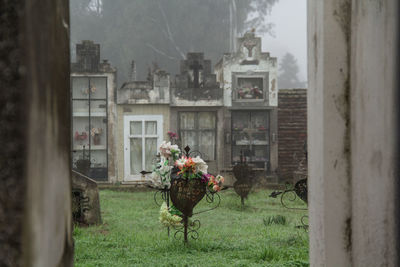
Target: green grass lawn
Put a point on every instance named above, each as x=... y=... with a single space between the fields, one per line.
x=230 y=235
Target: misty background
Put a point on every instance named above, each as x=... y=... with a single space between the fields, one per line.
x=159 y=33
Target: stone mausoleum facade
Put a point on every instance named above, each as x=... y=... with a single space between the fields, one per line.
x=225 y=113
x=93 y=117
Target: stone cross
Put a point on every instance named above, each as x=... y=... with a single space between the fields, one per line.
x=250 y=45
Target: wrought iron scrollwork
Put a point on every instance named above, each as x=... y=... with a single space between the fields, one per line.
x=299 y=190
x=211 y=197
x=192 y=230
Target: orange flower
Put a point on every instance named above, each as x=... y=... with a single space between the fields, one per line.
x=189 y=163
x=216 y=188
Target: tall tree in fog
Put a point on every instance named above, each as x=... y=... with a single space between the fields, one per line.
x=164 y=31
x=289 y=70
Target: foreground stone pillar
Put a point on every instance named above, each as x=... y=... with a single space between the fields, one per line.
x=352 y=132
x=35 y=191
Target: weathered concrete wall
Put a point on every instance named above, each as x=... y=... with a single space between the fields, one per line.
x=373 y=138
x=328 y=136
x=112 y=127
x=125 y=109
x=231 y=63
x=292 y=131
x=48 y=228
x=351 y=134
x=35 y=207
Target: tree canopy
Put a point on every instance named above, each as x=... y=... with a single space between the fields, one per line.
x=160 y=31
x=289 y=70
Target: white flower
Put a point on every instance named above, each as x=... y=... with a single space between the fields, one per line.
x=165 y=149
x=155 y=179
x=201 y=166
x=164 y=170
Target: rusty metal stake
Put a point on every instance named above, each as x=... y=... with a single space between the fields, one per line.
x=185 y=225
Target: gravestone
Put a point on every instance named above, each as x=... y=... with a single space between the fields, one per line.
x=85 y=200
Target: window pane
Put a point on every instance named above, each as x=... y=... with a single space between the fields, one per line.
x=187 y=120
x=250 y=88
x=98 y=108
x=81 y=133
x=136 y=127
x=240 y=120
x=98 y=87
x=98 y=158
x=207 y=145
x=189 y=139
x=136 y=155
x=259 y=120
x=80 y=108
x=80 y=88
x=151 y=127
x=206 y=120
x=150 y=152
x=98 y=132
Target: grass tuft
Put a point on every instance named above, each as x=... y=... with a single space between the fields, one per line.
x=275 y=219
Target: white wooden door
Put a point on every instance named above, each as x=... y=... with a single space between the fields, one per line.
x=142 y=138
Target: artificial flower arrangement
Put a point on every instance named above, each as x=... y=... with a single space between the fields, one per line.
x=173 y=136
x=85 y=91
x=188 y=168
x=96 y=131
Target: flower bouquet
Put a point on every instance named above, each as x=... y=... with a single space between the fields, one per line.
x=187 y=179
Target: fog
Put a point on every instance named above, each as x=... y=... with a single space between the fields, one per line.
x=290 y=32
x=158 y=34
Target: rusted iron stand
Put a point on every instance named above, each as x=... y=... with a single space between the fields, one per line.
x=244 y=178
x=185 y=194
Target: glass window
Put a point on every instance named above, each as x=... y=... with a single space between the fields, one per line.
x=80 y=88
x=250 y=88
x=151 y=127
x=250 y=137
x=198 y=131
x=98 y=87
x=89 y=126
x=136 y=127
x=144 y=135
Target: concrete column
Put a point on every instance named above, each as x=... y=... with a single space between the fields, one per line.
x=328 y=133
x=373 y=132
x=35 y=194
x=351 y=132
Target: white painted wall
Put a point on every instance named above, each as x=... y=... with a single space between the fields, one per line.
x=352 y=139
x=373 y=146
x=231 y=63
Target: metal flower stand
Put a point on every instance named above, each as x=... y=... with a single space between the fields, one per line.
x=299 y=190
x=244 y=178
x=185 y=194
